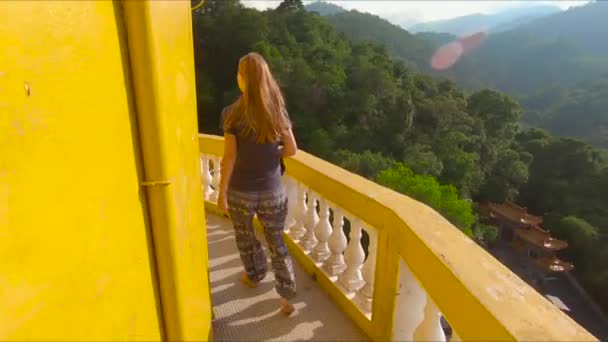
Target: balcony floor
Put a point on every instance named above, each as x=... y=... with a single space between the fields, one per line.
x=244 y=314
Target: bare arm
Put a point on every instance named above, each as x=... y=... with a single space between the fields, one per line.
x=227 y=161
x=289 y=144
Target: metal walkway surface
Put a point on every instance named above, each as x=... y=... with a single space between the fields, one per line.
x=244 y=314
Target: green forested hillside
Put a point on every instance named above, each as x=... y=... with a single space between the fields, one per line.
x=529 y=63
x=364 y=27
x=557 y=66
x=520 y=62
x=355 y=106
x=580 y=110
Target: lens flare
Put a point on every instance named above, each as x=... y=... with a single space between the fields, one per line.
x=447 y=55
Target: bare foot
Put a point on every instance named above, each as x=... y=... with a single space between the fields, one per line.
x=248 y=282
x=286 y=307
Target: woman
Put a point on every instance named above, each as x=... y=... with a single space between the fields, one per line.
x=255 y=126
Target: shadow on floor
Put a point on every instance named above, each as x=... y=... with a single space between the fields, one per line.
x=244 y=314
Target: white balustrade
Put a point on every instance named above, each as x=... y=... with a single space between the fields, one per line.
x=430 y=329
x=206 y=176
x=416 y=315
x=351 y=279
x=291 y=188
x=312 y=219
x=216 y=179
x=366 y=293
x=298 y=230
x=335 y=264
x=409 y=306
x=323 y=231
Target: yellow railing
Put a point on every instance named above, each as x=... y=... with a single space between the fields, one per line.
x=423 y=266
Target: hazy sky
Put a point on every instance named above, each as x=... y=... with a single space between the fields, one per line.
x=406 y=12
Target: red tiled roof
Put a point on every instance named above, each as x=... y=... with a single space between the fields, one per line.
x=541 y=238
x=513 y=213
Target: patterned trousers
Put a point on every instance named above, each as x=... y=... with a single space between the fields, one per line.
x=271 y=209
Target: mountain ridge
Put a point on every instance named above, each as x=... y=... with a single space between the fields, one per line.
x=477 y=22
x=324 y=8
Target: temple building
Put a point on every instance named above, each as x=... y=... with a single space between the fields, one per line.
x=523 y=232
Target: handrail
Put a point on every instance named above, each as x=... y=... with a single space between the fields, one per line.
x=479 y=297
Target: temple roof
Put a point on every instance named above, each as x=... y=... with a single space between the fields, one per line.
x=554 y=264
x=514 y=213
x=541 y=238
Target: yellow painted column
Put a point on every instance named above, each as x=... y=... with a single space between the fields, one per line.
x=75 y=258
x=159 y=35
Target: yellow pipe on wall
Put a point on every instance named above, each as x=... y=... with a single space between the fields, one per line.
x=159 y=35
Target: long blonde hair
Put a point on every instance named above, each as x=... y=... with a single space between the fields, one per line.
x=261 y=108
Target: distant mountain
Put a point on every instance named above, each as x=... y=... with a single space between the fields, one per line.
x=561 y=49
x=401 y=19
x=324 y=8
x=473 y=23
x=513 y=24
x=457 y=26
x=399 y=43
x=587 y=26
x=436 y=39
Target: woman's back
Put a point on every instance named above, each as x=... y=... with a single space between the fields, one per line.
x=257 y=166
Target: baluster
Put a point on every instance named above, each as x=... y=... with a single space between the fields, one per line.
x=351 y=279
x=430 y=329
x=337 y=243
x=322 y=231
x=216 y=178
x=409 y=306
x=365 y=295
x=206 y=176
x=312 y=219
x=298 y=229
x=292 y=202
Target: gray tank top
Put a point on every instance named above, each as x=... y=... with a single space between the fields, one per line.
x=257 y=167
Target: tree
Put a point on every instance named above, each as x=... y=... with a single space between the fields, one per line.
x=427 y=190
x=486 y=233
x=290 y=5
x=218 y=50
x=367 y=164
x=212 y=7
x=577 y=231
x=422 y=160
x=321 y=144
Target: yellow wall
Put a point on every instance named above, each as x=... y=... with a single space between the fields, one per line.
x=74 y=255
x=76 y=261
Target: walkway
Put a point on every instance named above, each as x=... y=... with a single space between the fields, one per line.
x=243 y=314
